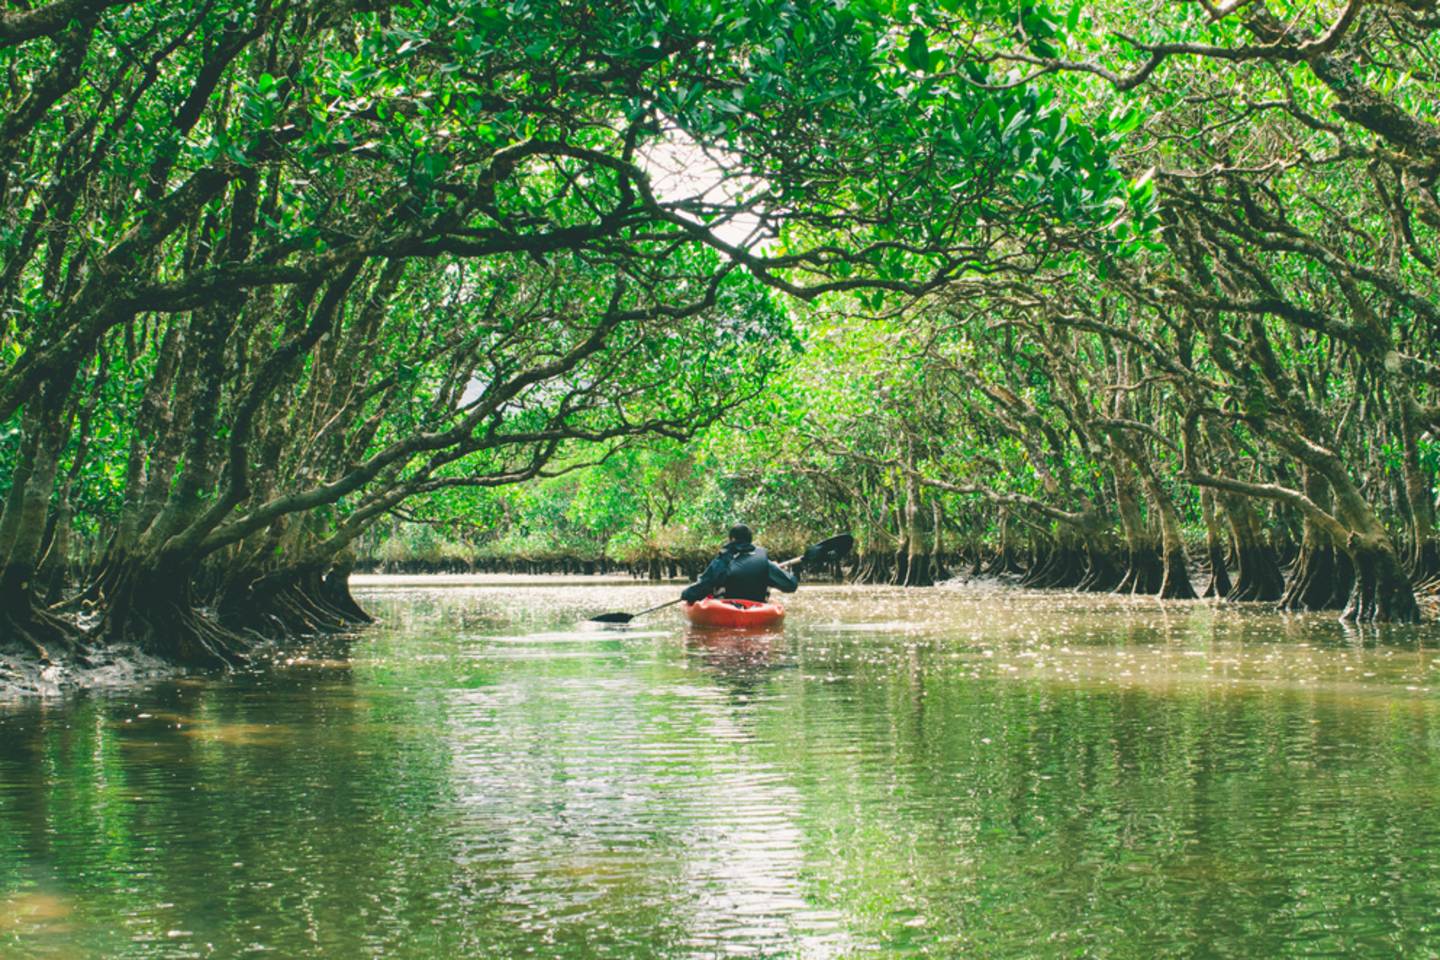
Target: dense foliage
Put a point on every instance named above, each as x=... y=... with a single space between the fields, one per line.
x=270 y=271
x=1069 y=288
x=1238 y=369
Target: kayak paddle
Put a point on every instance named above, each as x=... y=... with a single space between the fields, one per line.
x=826 y=550
x=832 y=549
x=627 y=617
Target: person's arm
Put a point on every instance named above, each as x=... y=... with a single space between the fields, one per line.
x=709 y=581
x=782 y=579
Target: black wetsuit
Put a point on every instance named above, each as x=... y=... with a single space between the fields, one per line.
x=744 y=572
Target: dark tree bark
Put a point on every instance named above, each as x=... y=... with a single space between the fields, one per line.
x=1144 y=570
x=149 y=603
x=1424 y=559
x=1258 y=576
x=1220 y=585
x=1323 y=575
x=24 y=623
x=1382 y=592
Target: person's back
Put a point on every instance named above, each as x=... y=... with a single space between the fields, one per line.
x=742 y=571
x=749 y=574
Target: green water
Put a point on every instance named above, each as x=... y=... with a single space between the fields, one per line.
x=925 y=773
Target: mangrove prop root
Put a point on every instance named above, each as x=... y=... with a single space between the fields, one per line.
x=1322 y=580
x=156 y=615
x=1144 y=573
x=1382 y=592
x=1220 y=585
x=1176 y=584
x=30 y=629
x=1259 y=577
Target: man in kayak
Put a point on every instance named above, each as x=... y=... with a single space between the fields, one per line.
x=742 y=571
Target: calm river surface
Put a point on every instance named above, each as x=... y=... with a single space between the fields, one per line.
x=957 y=772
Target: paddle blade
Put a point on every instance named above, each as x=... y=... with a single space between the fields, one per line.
x=613 y=618
x=831 y=549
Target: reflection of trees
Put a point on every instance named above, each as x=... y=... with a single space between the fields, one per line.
x=285 y=810
x=462 y=794
x=1019 y=813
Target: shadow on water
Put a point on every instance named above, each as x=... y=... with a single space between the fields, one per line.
x=896 y=773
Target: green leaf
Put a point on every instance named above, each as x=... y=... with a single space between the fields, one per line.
x=1122 y=123
x=917 y=52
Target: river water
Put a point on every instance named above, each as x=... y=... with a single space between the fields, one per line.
x=973 y=772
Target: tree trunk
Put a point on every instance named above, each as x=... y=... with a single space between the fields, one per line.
x=1420 y=496
x=1219 y=586
x=312 y=598
x=1042 y=555
x=1004 y=560
x=1144 y=571
x=1258 y=577
x=1102 y=573
x=1382 y=591
x=1071 y=563
x=54 y=570
x=337 y=592
x=26 y=627
x=24 y=624
x=1323 y=575
x=150 y=604
x=938 y=571
x=916 y=561
x=1323 y=578
x=1175 y=577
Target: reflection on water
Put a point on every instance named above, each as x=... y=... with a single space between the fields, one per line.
x=894 y=774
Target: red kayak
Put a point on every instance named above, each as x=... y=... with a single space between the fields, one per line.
x=720 y=612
